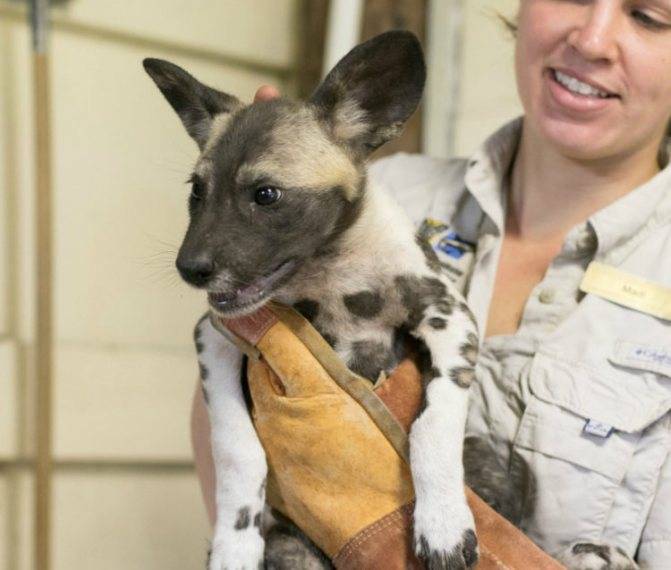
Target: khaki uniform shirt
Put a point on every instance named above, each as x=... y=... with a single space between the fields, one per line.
x=582 y=391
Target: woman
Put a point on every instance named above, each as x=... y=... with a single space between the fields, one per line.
x=577 y=383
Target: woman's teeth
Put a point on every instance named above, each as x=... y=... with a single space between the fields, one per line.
x=576 y=86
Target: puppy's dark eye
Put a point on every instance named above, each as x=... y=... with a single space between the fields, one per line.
x=197 y=189
x=266 y=195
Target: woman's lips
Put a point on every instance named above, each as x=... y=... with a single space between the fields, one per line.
x=572 y=102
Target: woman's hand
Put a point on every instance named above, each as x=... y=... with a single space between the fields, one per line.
x=266 y=93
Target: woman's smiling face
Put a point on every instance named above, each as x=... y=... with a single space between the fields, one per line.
x=594 y=76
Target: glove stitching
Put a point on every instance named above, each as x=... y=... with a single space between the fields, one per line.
x=497 y=561
x=370 y=532
x=389 y=520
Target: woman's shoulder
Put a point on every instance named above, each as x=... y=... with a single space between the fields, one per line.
x=404 y=170
x=417 y=181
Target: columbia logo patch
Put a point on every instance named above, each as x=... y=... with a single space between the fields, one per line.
x=598 y=429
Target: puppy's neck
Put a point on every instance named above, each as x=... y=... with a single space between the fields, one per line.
x=367 y=254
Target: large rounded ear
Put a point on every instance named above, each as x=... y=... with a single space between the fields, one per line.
x=373 y=90
x=195 y=103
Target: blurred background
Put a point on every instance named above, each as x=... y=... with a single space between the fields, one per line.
x=97 y=368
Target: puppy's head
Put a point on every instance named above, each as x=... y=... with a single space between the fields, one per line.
x=277 y=182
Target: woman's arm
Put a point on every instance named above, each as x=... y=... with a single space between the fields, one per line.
x=202 y=451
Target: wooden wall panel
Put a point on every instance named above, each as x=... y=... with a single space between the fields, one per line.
x=310 y=45
x=381 y=16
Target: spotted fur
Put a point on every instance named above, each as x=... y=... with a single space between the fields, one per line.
x=203 y=371
x=196 y=341
x=330 y=339
x=338 y=249
x=431 y=258
x=308 y=308
x=593 y=556
x=242 y=522
x=287 y=548
x=510 y=491
x=437 y=323
x=469 y=350
x=365 y=304
x=370 y=357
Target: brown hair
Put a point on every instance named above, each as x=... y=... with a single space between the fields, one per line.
x=510 y=25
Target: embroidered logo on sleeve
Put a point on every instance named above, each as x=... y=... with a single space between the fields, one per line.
x=454 y=246
x=431 y=228
x=454 y=252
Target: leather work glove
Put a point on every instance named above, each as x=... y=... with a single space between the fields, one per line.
x=337 y=450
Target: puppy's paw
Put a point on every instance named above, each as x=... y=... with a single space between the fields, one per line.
x=444 y=537
x=590 y=556
x=236 y=551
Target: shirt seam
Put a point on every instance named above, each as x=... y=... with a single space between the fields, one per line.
x=653 y=540
x=629 y=247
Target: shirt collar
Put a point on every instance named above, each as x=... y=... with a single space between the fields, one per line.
x=488 y=168
x=642 y=209
x=637 y=212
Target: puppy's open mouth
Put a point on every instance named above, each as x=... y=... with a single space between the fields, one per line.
x=250 y=297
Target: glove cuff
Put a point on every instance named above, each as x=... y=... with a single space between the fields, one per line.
x=384 y=545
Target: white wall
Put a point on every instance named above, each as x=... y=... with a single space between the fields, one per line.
x=471 y=88
x=488 y=95
x=125 y=495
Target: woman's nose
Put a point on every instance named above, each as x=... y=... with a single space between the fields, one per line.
x=595 y=35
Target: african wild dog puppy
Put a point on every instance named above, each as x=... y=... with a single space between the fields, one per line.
x=281 y=208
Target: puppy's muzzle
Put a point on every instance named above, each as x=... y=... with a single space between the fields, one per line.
x=197 y=269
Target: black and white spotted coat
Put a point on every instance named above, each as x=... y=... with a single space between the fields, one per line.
x=375 y=285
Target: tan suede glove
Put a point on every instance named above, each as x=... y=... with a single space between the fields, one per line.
x=337 y=450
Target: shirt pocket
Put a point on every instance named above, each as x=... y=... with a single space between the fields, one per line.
x=643 y=357
x=579 y=434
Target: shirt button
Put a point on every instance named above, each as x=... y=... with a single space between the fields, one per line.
x=546 y=296
x=586 y=242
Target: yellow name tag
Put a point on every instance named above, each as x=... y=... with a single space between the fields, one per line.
x=628 y=290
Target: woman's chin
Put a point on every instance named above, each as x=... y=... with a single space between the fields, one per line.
x=580 y=142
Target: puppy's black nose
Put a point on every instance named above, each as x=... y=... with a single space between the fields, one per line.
x=196 y=270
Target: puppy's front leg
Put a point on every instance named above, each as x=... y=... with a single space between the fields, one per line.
x=443 y=524
x=239 y=460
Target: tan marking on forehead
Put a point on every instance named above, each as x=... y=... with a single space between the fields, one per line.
x=301 y=155
x=217 y=127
